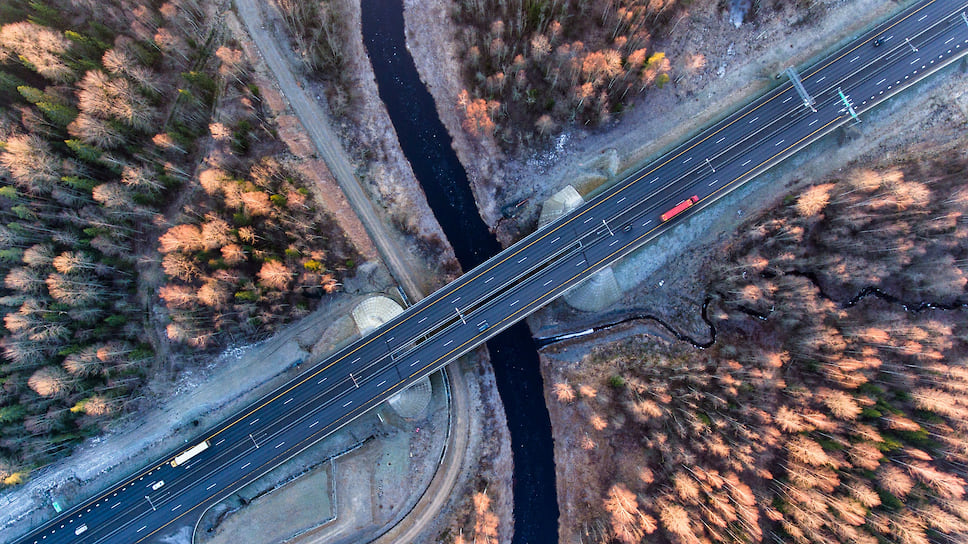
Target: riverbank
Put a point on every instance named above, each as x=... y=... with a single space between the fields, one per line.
x=430 y=34
x=427 y=144
x=205 y=395
x=668 y=276
x=365 y=128
x=788 y=287
x=715 y=68
x=388 y=201
x=718 y=67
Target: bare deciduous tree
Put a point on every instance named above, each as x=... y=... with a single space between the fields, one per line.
x=214 y=294
x=276 y=275
x=26 y=280
x=813 y=200
x=256 y=203
x=95 y=131
x=178 y=296
x=82 y=363
x=31 y=163
x=233 y=254
x=180 y=266
x=182 y=238
x=48 y=381
x=216 y=232
x=41 y=47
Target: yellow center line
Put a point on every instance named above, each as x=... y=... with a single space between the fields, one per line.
x=865 y=42
x=619 y=250
x=590 y=207
x=547 y=293
x=327 y=428
x=580 y=214
x=673 y=158
x=321 y=431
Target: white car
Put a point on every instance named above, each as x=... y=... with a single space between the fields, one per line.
x=80 y=529
x=157 y=485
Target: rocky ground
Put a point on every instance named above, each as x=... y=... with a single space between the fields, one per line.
x=368 y=137
x=676 y=292
x=430 y=40
x=392 y=184
x=485 y=463
x=209 y=394
x=245 y=373
x=355 y=481
x=364 y=124
x=660 y=277
x=716 y=67
x=664 y=280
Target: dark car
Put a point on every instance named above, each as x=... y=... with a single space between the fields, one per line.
x=878 y=42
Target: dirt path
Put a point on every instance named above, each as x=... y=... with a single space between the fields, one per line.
x=316 y=124
x=438 y=494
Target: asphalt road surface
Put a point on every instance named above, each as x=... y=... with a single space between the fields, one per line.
x=521 y=279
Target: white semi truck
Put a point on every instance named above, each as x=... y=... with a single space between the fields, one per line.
x=184 y=456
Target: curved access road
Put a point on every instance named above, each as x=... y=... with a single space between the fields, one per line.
x=886 y=60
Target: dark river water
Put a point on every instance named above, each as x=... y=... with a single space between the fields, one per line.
x=427 y=146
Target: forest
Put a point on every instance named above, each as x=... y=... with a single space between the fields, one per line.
x=148 y=210
x=833 y=406
x=535 y=67
x=318 y=33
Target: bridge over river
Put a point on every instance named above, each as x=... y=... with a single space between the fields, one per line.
x=810 y=103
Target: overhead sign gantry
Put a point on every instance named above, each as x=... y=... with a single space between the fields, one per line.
x=808 y=100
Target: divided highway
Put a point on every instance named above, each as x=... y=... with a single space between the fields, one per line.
x=508 y=287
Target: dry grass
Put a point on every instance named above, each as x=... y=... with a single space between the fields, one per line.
x=821 y=422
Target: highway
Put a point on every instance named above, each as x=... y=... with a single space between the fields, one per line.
x=911 y=45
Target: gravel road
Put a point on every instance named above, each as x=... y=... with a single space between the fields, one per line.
x=315 y=121
x=317 y=126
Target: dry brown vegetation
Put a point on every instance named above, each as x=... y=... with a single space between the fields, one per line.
x=106 y=111
x=248 y=254
x=533 y=67
x=99 y=105
x=817 y=421
x=480 y=514
x=477 y=521
x=248 y=250
x=319 y=34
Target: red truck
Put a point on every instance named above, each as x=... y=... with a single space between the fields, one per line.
x=680 y=207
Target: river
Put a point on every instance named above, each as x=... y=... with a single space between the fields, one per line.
x=427 y=146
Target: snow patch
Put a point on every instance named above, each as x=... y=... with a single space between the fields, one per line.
x=738 y=10
x=543 y=161
x=98 y=455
